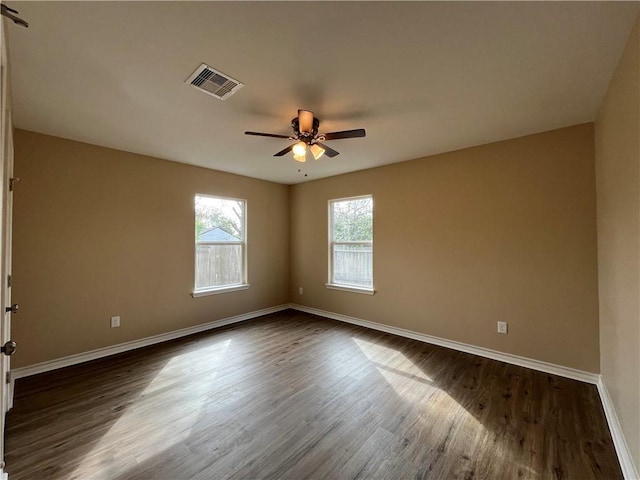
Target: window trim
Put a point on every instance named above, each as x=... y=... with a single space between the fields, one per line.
x=215 y=291
x=232 y=287
x=343 y=286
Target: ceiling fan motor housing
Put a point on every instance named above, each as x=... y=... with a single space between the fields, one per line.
x=306 y=137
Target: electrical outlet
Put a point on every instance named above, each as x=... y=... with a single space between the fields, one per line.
x=502 y=327
x=300 y=290
x=115 y=322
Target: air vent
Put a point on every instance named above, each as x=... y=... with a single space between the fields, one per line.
x=213 y=82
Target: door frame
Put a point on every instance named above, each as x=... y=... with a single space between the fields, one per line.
x=6 y=195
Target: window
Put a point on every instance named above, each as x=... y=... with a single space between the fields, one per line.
x=221 y=248
x=351 y=244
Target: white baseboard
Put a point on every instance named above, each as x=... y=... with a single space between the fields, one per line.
x=143 y=342
x=462 y=347
x=624 y=454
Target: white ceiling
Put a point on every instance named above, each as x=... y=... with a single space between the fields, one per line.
x=420 y=77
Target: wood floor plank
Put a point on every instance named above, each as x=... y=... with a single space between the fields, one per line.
x=292 y=396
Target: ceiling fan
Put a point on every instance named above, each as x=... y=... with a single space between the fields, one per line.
x=305 y=132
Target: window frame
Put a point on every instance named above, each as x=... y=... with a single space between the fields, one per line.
x=331 y=284
x=232 y=287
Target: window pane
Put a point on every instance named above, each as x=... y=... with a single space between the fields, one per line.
x=353 y=265
x=218 y=265
x=353 y=220
x=219 y=219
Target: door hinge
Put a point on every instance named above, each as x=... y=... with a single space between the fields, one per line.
x=8 y=377
x=12 y=182
x=8 y=281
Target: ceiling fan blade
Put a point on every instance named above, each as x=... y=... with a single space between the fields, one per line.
x=359 y=132
x=284 y=152
x=305 y=121
x=267 y=135
x=330 y=152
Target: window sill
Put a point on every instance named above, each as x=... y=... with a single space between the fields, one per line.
x=215 y=291
x=346 y=288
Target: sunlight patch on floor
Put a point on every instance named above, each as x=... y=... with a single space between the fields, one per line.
x=159 y=418
x=442 y=422
x=188 y=365
x=391 y=360
x=412 y=384
x=408 y=381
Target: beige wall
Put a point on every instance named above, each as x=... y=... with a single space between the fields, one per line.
x=504 y=231
x=617 y=134
x=499 y=232
x=100 y=232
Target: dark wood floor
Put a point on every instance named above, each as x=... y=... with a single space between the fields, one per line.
x=296 y=396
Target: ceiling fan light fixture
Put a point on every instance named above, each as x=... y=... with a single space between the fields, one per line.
x=300 y=149
x=317 y=151
x=300 y=158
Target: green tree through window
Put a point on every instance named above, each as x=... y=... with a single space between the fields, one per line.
x=353 y=220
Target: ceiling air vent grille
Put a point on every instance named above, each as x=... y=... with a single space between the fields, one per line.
x=214 y=82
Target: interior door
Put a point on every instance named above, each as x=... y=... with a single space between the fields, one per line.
x=6 y=197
